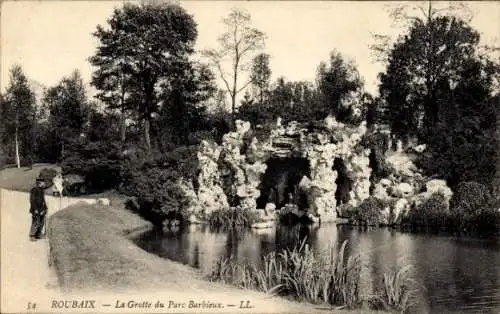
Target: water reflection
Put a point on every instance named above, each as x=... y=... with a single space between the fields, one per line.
x=457 y=275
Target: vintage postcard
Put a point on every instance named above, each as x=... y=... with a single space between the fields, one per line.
x=250 y=157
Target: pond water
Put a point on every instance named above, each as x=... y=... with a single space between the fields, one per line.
x=457 y=274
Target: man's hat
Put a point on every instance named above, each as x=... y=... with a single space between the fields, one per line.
x=40 y=180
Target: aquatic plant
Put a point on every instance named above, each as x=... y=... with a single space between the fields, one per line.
x=232 y=217
x=300 y=274
x=397 y=292
x=325 y=278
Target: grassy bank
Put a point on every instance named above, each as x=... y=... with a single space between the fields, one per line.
x=22 y=179
x=90 y=250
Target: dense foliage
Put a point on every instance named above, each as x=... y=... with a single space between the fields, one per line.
x=47 y=175
x=473 y=209
x=439 y=88
x=154 y=180
x=368 y=213
x=336 y=91
x=69 y=111
x=99 y=163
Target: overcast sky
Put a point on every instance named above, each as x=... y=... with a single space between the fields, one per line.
x=51 y=38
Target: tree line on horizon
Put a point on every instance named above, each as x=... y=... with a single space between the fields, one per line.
x=438 y=88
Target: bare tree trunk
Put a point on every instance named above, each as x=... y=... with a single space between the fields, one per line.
x=18 y=160
x=33 y=141
x=233 y=102
x=122 y=122
x=233 y=94
x=146 y=134
x=16 y=135
x=62 y=152
x=122 y=127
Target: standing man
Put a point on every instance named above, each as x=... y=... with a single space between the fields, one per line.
x=38 y=210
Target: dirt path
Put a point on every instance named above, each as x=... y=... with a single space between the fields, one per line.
x=25 y=275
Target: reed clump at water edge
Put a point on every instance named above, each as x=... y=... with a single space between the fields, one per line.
x=328 y=278
x=397 y=291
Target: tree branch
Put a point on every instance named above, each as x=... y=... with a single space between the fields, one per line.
x=219 y=67
x=244 y=86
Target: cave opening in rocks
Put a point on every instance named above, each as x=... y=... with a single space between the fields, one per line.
x=344 y=182
x=282 y=177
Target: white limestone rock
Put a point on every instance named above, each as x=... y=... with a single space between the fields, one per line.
x=400 y=209
x=404 y=190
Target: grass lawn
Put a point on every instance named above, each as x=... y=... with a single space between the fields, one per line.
x=23 y=179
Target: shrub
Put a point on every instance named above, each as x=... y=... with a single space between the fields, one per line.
x=47 y=174
x=369 y=212
x=100 y=163
x=378 y=143
x=154 y=181
x=484 y=223
x=432 y=214
x=475 y=209
x=470 y=197
x=157 y=191
x=255 y=114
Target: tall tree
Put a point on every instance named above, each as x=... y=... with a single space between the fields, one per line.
x=336 y=81
x=183 y=101
x=69 y=110
x=438 y=87
x=235 y=46
x=260 y=75
x=17 y=114
x=464 y=144
x=138 y=51
x=292 y=101
x=111 y=81
x=434 y=51
x=220 y=101
x=404 y=15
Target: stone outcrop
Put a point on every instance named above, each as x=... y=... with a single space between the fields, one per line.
x=231 y=173
x=210 y=195
x=405 y=188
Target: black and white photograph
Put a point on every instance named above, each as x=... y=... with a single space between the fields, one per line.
x=165 y=156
